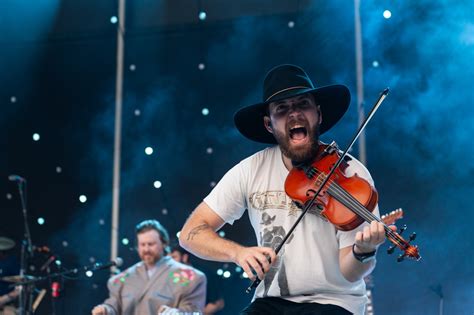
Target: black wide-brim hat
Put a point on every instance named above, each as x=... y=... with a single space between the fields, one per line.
x=286 y=81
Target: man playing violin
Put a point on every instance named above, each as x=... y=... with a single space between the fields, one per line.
x=320 y=269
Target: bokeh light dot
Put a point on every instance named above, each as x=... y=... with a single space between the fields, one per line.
x=148 y=150
x=387 y=14
x=9 y=196
x=375 y=63
x=221 y=233
x=137 y=112
x=201 y=66
x=92 y=260
x=113 y=19
x=89 y=273
x=202 y=15
x=58 y=169
x=209 y=150
x=40 y=221
x=164 y=211
x=132 y=67
x=13 y=99
x=291 y=24
x=178 y=234
x=65 y=244
x=226 y=274
x=205 y=111
x=212 y=184
x=82 y=198
x=125 y=241
x=36 y=136
x=220 y=272
x=157 y=184
x=101 y=221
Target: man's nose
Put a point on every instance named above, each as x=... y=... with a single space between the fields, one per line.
x=294 y=111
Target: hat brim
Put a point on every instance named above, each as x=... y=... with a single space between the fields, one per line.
x=333 y=100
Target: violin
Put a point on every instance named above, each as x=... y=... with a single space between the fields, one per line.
x=345 y=201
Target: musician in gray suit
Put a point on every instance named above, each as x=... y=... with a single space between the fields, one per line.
x=157 y=284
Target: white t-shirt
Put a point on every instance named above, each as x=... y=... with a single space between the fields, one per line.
x=309 y=270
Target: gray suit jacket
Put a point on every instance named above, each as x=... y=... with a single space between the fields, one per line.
x=173 y=286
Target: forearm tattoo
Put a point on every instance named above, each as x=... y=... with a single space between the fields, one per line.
x=195 y=231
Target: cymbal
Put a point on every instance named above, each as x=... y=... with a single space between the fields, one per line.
x=17 y=278
x=6 y=243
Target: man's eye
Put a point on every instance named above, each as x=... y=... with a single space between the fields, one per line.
x=280 y=109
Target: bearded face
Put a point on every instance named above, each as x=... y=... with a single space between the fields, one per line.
x=150 y=247
x=295 y=126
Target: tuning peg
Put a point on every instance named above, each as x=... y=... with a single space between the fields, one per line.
x=402 y=229
x=412 y=236
x=391 y=249
x=401 y=258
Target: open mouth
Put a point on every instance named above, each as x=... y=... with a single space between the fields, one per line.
x=298 y=133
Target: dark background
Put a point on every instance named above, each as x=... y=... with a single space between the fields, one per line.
x=58 y=60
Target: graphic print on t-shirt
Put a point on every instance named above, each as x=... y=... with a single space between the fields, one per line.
x=272 y=236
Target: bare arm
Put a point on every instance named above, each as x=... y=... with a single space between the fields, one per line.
x=366 y=241
x=199 y=236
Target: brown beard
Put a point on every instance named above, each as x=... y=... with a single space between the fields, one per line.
x=301 y=155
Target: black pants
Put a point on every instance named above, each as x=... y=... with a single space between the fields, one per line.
x=277 y=306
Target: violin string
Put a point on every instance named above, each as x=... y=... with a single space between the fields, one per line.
x=360 y=210
x=348 y=200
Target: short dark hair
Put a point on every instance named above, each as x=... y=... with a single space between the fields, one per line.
x=175 y=247
x=148 y=225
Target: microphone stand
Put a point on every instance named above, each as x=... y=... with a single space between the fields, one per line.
x=94 y=267
x=26 y=247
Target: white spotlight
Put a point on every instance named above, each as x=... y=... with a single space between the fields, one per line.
x=89 y=273
x=36 y=136
x=375 y=64
x=387 y=14
x=82 y=198
x=205 y=111
x=40 y=221
x=226 y=274
x=220 y=272
x=157 y=184
x=149 y=150
x=113 y=19
x=202 y=15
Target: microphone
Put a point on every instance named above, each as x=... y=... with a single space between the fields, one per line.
x=116 y=262
x=16 y=178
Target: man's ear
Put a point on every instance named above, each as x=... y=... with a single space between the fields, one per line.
x=320 y=115
x=268 y=124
